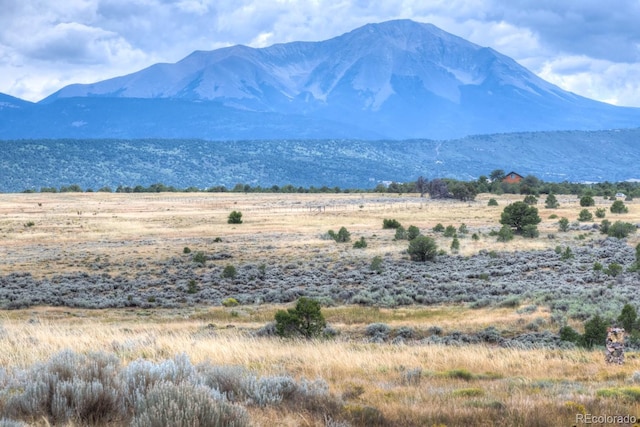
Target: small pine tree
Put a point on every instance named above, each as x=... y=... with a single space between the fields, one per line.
x=438 y=228
x=492 y=202
x=422 y=248
x=595 y=332
x=455 y=245
x=628 y=317
x=618 y=207
x=551 y=202
x=229 y=272
x=563 y=224
x=342 y=236
x=304 y=320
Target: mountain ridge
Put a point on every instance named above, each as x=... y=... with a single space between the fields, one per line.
x=397 y=79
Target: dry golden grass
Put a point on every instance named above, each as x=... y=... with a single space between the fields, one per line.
x=84 y=226
x=503 y=384
x=506 y=386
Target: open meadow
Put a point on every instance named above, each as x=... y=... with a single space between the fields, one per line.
x=115 y=303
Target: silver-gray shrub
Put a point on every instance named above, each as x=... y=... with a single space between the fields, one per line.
x=186 y=405
x=378 y=331
x=268 y=391
x=70 y=387
x=229 y=381
x=140 y=375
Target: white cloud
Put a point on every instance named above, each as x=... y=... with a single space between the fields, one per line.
x=615 y=83
x=46 y=45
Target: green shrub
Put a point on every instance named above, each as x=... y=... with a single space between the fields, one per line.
x=620 y=229
x=492 y=202
x=401 y=233
x=585 y=215
x=613 y=269
x=530 y=231
x=439 y=228
x=235 y=217
x=186 y=250
x=597 y=266
x=567 y=333
x=563 y=224
x=376 y=264
x=475 y=237
x=304 y=320
x=390 y=223
x=360 y=244
x=618 y=207
x=462 y=374
x=530 y=199
x=200 y=258
x=343 y=235
x=463 y=229
x=422 y=248
x=229 y=272
x=601 y=213
x=505 y=234
x=450 y=231
x=604 y=226
x=567 y=254
x=412 y=232
x=586 y=201
x=192 y=287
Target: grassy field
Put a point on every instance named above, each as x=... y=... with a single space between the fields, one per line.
x=403 y=383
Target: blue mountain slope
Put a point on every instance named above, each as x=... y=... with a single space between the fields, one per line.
x=397 y=79
x=552 y=156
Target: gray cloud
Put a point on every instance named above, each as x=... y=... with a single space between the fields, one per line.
x=585 y=46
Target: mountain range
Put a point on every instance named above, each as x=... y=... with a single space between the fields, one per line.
x=393 y=80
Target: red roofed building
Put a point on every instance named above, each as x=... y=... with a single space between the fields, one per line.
x=512 y=178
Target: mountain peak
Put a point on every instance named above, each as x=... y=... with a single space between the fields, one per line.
x=398 y=79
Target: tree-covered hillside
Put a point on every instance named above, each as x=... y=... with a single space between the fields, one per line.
x=551 y=156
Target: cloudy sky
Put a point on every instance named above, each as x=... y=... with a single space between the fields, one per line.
x=588 y=47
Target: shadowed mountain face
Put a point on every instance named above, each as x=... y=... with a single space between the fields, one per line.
x=397 y=79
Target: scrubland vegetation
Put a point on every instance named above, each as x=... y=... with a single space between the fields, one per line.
x=117 y=304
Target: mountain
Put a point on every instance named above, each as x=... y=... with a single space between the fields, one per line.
x=397 y=79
